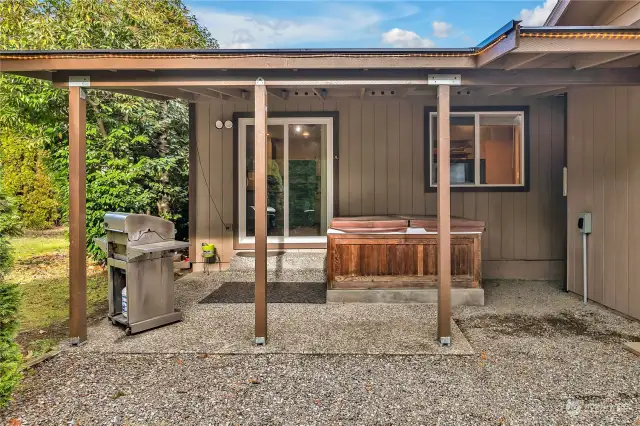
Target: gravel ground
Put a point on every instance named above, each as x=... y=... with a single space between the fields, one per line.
x=294 y=328
x=540 y=358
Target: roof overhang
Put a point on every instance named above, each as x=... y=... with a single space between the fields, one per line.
x=515 y=56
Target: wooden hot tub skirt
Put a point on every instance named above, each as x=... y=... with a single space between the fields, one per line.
x=379 y=252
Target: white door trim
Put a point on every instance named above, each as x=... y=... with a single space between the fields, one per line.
x=242 y=177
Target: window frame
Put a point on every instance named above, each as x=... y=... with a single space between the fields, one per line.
x=523 y=110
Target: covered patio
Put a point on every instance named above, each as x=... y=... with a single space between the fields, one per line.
x=515 y=62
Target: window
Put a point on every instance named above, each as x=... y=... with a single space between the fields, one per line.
x=487 y=149
x=299 y=179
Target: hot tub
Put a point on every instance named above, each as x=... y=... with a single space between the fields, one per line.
x=400 y=252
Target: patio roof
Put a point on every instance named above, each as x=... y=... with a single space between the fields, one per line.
x=535 y=61
x=542 y=59
x=509 y=42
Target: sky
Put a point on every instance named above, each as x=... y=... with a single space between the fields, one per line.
x=357 y=23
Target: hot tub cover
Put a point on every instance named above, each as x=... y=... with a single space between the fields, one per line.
x=395 y=223
x=370 y=224
x=458 y=224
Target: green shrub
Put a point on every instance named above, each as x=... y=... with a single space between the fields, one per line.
x=10 y=357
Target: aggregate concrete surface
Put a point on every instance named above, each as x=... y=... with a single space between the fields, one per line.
x=539 y=357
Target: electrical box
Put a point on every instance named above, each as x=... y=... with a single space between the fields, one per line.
x=584 y=222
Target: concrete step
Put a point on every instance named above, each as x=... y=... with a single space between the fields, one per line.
x=286 y=267
x=285 y=261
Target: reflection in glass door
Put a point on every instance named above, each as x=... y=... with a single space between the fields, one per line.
x=307 y=180
x=299 y=179
x=275 y=181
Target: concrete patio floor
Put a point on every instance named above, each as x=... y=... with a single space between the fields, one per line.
x=540 y=358
x=227 y=328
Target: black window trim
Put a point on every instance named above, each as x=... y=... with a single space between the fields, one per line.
x=479 y=188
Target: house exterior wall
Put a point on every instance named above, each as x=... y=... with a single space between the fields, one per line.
x=603 y=132
x=381 y=171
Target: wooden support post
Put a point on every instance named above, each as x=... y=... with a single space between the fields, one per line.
x=261 y=211
x=444 y=217
x=77 y=217
x=193 y=174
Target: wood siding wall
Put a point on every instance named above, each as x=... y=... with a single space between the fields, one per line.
x=381 y=170
x=603 y=132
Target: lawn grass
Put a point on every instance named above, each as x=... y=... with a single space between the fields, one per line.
x=41 y=270
x=34 y=243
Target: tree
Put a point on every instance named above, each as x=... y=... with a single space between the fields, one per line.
x=10 y=359
x=9 y=226
x=136 y=148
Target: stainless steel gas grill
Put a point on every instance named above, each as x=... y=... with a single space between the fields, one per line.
x=139 y=252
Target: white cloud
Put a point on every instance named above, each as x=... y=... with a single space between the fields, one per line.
x=537 y=16
x=403 y=38
x=442 y=29
x=340 y=22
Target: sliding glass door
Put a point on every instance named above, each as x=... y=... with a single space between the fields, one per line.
x=299 y=179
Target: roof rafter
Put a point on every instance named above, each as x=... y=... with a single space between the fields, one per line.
x=590 y=60
x=500 y=90
x=321 y=93
x=541 y=91
x=141 y=94
x=203 y=93
x=519 y=60
x=240 y=94
x=281 y=94
x=171 y=92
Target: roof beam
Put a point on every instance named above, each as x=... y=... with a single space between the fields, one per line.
x=541 y=91
x=552 y=77
x=591 y=60
x=278 y=80
x=498 y=50
x=218 y=60
x=519 y=60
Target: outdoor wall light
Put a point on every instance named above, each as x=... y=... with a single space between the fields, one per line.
x=228 y=124
x=219 y=124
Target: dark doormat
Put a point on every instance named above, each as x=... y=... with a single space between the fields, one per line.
x=277 y=292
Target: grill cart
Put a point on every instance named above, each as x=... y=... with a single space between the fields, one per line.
x=139 y=252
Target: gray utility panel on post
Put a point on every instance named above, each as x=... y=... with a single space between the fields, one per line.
x=139 y=252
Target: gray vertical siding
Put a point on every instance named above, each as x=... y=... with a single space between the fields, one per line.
x=603 y=146
x=381 y=166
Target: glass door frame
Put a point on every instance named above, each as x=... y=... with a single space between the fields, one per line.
x=242 y=124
